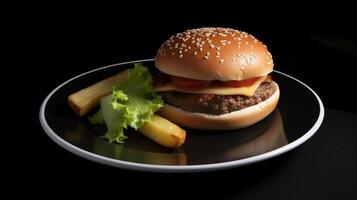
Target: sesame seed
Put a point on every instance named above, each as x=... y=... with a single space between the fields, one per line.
x=242 y=67
x=196 y=39
x=206 y=57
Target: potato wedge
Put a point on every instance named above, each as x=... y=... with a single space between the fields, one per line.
x=163 y=132
x=86 y=99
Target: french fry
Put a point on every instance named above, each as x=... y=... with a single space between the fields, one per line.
x=86 y=99
x=163 y=132
x=159 y=129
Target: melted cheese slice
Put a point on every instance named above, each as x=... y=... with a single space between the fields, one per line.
x=219 y=90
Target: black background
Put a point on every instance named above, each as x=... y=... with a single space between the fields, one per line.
x=317 y=48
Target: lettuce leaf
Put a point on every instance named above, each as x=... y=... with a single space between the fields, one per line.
x=131 y=104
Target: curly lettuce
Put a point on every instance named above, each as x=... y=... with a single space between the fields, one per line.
x=131 y=104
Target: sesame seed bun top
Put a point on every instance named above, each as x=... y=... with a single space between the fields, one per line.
x=214 y=54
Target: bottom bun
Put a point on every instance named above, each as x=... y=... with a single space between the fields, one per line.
x=234 y=120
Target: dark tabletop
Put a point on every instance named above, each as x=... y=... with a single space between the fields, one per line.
x=323 y=167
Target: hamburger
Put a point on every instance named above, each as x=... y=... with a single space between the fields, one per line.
x=215 y=79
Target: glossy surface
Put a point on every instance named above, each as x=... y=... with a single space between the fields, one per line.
x=298 y=113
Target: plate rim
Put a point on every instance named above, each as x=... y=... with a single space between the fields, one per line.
x=173 y=168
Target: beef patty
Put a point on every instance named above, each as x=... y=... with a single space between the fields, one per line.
x=217 y=104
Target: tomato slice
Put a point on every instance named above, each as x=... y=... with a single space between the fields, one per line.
x=242 y=83
x=161 y=79
x=186 y=83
